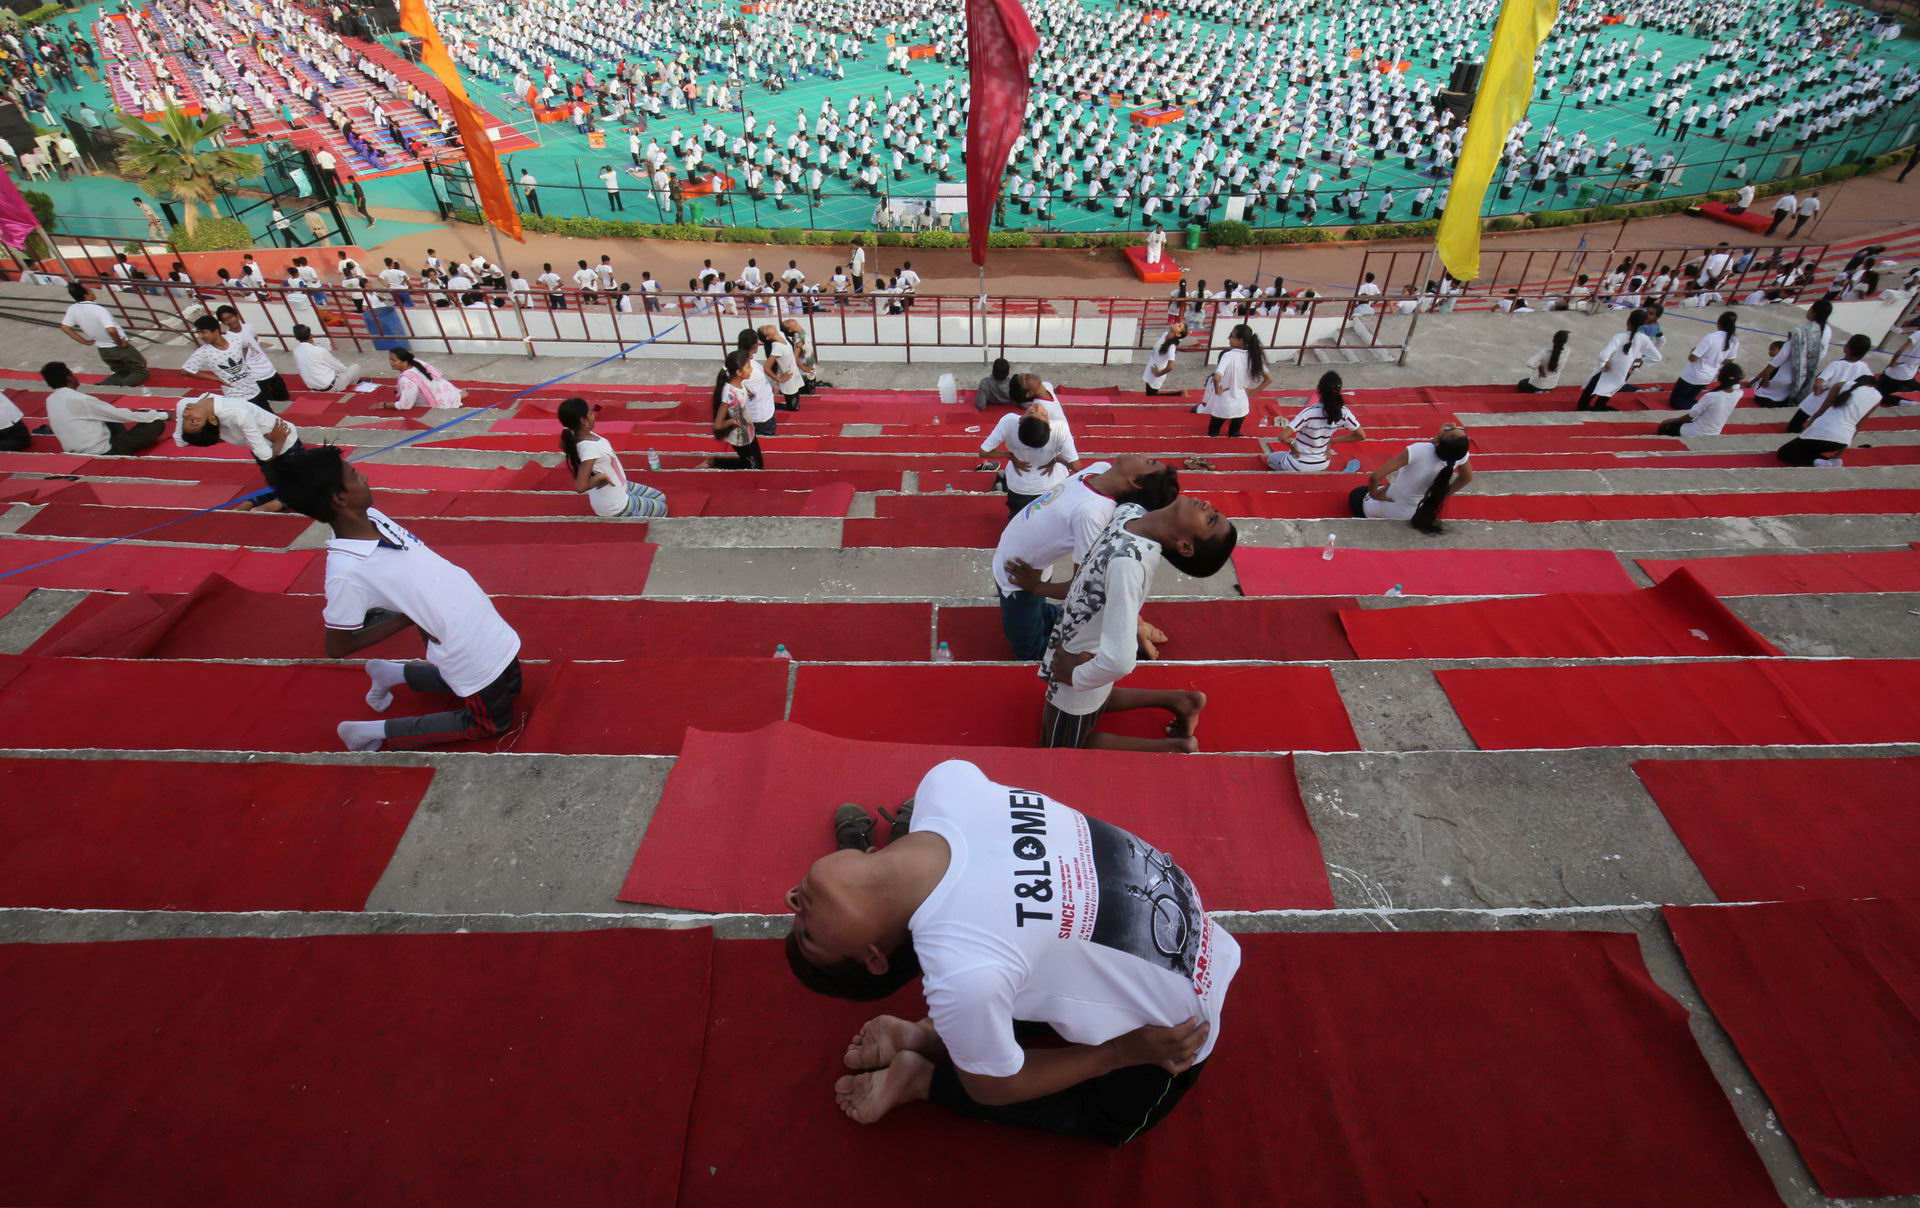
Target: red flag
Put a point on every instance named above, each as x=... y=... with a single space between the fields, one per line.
x=1000 y=48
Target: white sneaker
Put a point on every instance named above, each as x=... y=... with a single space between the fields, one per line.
x=1827 y=461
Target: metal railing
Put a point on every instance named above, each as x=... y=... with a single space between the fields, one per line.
x=915 y=328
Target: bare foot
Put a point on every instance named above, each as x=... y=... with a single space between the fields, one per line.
x=1186 y=715
x=868 y=1097
x=874 y=1046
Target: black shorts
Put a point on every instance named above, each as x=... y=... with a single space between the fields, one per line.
x=1069 y=731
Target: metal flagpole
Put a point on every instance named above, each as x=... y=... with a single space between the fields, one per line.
x=986 y=343
x=1421 y=297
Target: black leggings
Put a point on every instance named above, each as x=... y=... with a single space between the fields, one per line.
x=15 y=436
x=1233 y=425
x=1803 y=452
x=1114 y=1108
x=745 y=457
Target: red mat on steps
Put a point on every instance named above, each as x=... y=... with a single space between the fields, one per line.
x=635 y=707
x=531 y=570
x=1819 y=997
x=1796 y=574
x=439 y=531
x=1426 y=572
x=1678 y=617
x=1659 y=507
x=1250 y=848
x=1774 y=829
x=266 y=530
x=1360 y=1070
x=84 y=834
x=144 y=567
x=902 y=532
x=1248 y=708
x=296 y=1072
x=222 y=621
x=1272 y=630
x=10 y=597
x=1772 y=702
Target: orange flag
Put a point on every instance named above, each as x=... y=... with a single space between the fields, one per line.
x=489 y=182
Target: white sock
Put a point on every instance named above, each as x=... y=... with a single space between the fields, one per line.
x=362 y=735
x=386 y=676
x=1826 y=461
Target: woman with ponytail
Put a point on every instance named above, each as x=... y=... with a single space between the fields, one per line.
x=1623 y=354
x=1241 y=371
x=1416 y=484
x=1323 y=423
x=597 y=472
x=1715 y=349
x=1543 y=371
x=730 y=424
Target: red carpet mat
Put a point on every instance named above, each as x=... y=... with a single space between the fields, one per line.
x=1678 y=617
x=1271 y=629
x=1819 y=997
x=1359 y=1070
x=265 y=530
x=1427 y=572
x=82 y=834
x=11 y=596
x=1248 y=708
x=145 y=567
x=1765 y=830
x=1774 y=702
x=1663 y=507
x=636 y=707
x=531 y=570
x=902 y=532
x=1250 y=848
x=222 y=621
x=548 y=1068
x=1796 y=574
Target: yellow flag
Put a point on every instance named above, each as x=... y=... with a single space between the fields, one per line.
x=1506 y=86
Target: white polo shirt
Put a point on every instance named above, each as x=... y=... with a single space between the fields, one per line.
x=1066 y=520
x=467 y=641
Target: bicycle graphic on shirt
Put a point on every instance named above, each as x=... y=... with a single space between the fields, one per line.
x=1148 y=906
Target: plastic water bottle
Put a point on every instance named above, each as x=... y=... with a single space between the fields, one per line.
x=781 y=652
x=1393 y=591
x=1326 y=555
x=653 y=460
x=943 y=655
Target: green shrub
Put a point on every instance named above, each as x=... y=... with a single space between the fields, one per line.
x=931 y=239
x=1229 y=234
x=1360 y=232
x=891 y=239
x=788 y=235
x=1507 y=222
x=1608 y=213
x=213 y=235
x=1009 y=239
x=1070 y=239
x=1304 y=235
x=744 y=235
x=1546 y=219
x=46 y=12
x=42 y=207
x=1121 y=241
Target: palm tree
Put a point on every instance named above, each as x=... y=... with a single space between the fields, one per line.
x=165 y=158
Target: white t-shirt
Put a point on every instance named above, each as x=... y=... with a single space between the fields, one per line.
x=1906 y=359
x=242 y=423
x=1842 y=419
x=1047 y=915
x=1409 y=485
x=1066 y=520
x=1313 y=432
x=1709 y=412
x=1839 y=373
x=9 y=413
x=92 y=320
x=611 y=499
x=1230 y=400
x=1617 y=360
x=1715 y=349
x=1040 y=476
x=317 y=366
x=786 y=366
x=1541 y=377
x=235 y=365
x=468 y=641
x=1101 y=615
x=1160 y=364
x=759 y=394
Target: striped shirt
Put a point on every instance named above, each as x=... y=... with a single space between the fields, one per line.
x=1312 y=432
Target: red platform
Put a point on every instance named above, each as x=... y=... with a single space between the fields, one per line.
x=1156 y=117
x=920 y=52
x=1752 y=220
x=1165 y=271
x=705 y=186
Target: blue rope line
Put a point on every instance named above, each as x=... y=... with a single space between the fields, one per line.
x=418 y=436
